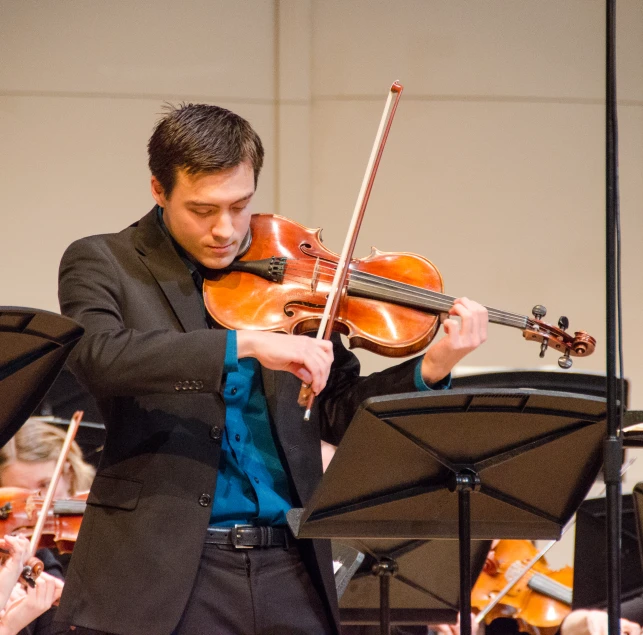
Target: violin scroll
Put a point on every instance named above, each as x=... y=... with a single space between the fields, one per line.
x=32 y=569
x=581 y=344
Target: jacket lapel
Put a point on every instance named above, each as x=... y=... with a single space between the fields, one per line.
x=159 y=256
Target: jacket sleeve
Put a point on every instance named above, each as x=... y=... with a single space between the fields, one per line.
x=113 y=360
x=346 y=390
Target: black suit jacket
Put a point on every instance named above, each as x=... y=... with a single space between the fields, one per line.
x=156 y=370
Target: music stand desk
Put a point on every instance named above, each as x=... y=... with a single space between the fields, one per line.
x=34 y=345
x=466 y=464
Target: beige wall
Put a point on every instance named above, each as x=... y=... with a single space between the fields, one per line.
x=494 y=168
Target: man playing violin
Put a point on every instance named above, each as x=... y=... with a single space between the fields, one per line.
x=206 y=450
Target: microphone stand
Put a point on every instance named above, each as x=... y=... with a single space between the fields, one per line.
x=613 y=446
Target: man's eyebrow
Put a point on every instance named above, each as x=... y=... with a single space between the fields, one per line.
x=205 y=204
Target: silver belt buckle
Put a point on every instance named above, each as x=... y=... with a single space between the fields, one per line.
x=235 y=537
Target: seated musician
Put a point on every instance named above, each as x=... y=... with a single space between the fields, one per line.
x=27 y=461
x=206 y=449
x=578 y=622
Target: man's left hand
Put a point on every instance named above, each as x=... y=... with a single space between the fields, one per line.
x=461 y=338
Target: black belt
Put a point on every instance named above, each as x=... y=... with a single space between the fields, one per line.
x=247 y=536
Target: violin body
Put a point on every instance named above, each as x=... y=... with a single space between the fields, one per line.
x=241 y=299
x=537 y=613
x=19 y=510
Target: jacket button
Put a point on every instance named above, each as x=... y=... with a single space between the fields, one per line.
x=205 y=500
x=199 y=385
x=216 y=433
x=178 y=385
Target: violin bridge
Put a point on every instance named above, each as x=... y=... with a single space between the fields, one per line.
x=315 y=277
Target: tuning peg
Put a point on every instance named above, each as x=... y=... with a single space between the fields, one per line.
x=539 y=311
x=543 y=346
x=565 y=361
x=563 y=323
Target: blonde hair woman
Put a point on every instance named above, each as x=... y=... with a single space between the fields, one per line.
x=29 y=458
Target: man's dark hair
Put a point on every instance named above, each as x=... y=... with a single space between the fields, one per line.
x=199 y=138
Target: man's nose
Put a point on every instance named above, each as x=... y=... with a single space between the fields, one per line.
x=222 y=229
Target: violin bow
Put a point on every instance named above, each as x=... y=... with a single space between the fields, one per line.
x=49 y=497
x=306 y=395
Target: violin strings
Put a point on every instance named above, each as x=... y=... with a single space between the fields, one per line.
x=431 y=299
x=439 y=301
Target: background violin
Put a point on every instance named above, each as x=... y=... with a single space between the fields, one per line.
x=19 y=509
x=391 y=303
x=540 y=600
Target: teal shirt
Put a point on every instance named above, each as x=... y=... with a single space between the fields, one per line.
x=252 y=486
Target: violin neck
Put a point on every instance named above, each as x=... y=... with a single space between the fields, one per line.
x=555 y=590
x=377 y=288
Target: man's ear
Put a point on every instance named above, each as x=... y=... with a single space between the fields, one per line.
x=158 y=192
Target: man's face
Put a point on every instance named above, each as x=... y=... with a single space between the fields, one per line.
x=208 y=214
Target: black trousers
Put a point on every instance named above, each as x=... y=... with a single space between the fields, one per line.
x=260 y=591
x=253 y=592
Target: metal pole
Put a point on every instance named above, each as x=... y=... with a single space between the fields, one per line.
x=613 y=446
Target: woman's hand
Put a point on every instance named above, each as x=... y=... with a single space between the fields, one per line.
x=454 y=629
x=26 y=605
x=18 y=550
x=583 y=622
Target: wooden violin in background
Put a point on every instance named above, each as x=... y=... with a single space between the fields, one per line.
x=20 y=510
x=390 y=304
x=539 y=600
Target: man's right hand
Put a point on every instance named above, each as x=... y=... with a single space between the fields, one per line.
x=307 y=358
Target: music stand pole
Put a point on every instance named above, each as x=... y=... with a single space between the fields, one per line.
x=464 y=483
x=384 y=569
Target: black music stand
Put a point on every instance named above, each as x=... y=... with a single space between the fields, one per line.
x=346 y=561
x=34 y=345
x=563 y=380
x=394 y=585
x=590 y=556
x=632 y=429
x=479 y=464
x=637 y=500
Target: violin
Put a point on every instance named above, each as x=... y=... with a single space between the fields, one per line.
x=19 y=509
x=540 y=600
x=391 y=303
